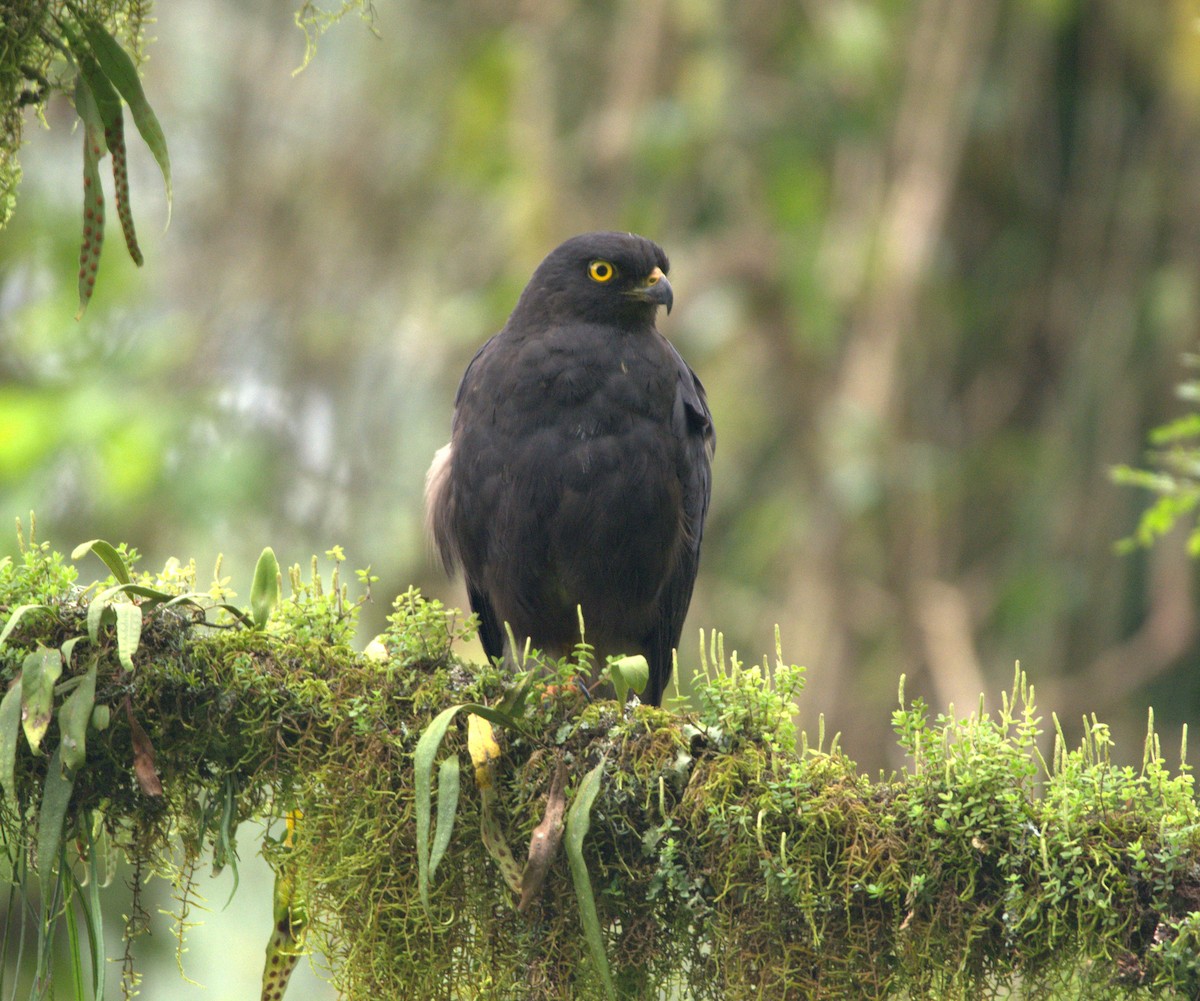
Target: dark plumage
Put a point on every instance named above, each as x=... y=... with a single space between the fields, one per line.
x=578 y=469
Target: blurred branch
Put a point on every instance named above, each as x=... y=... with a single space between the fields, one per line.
x=944 y=617
x=944 y=65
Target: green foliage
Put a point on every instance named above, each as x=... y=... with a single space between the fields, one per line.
x=49 y=46
x=1175 y=479
x=314 y=21
x=66 y=47
x=706 y=855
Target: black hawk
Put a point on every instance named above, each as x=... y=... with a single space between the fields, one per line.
x=578 y=471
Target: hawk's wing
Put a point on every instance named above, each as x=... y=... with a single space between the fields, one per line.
x=439 y=501
x=691 y=422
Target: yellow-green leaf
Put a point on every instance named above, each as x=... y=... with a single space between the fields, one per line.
x=101 y=716
x=98 y=611
x=629 y=672
x=129 y=632
x=264 y=592
x=73 y=718
x=38 y=675
x=108 y=556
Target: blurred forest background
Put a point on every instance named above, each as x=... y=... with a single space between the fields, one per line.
x=935 y=260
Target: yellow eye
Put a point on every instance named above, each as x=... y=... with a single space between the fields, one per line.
x=601 y=271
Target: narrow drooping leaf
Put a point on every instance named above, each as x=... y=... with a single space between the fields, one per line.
x=447 y=807
x=423 y=758
x=579 y=819
x=119 y=68
x=108 y=556
x=75 y=951
x=10 y=734
x=93 y=194
x=225 y=836
x=264 y=592
x=39 y=673
x=115 y=137
x=56 y=795
x=129 y=632
x=95 y=914
x=73 y=718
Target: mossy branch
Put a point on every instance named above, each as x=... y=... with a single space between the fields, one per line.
x=727 y=858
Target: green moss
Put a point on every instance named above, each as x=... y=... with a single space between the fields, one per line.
x=728 y=857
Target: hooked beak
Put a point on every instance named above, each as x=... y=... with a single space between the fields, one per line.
x=656 y=290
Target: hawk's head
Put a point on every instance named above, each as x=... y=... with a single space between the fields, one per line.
x=598 y=278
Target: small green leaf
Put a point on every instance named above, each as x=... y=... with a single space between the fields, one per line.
x=15 y=617
x=101 y=716
x=579 y=819
x=68 y=648
x=129 y=631
x=73 y=718
x=99 y=612
x=264 y=592
x=10 y=731
x=38 y=675
x=627 y=673
x=119 y=68
x=513 y=702
x=447 y=795
x=108 y=556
